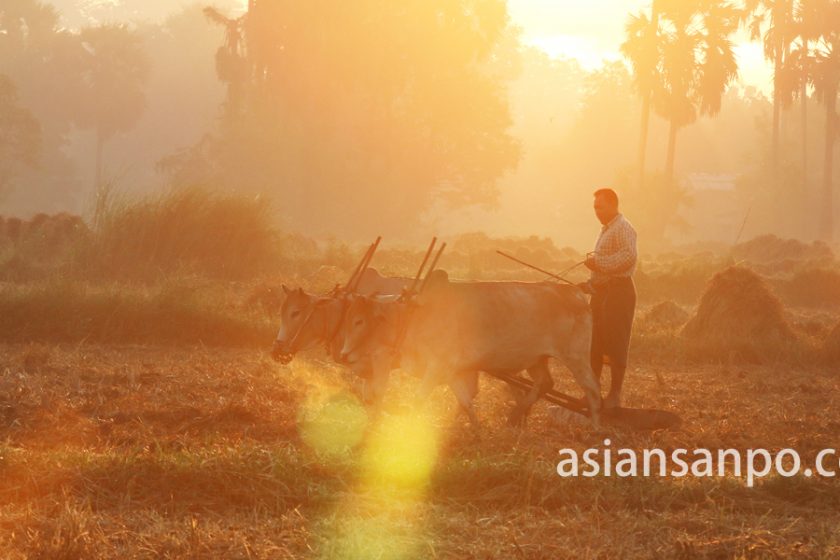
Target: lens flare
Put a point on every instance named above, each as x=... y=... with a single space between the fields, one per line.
x=334 y=427
x=388 y=534
x=401 y=453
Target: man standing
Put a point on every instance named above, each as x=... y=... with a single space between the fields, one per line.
x=613 y=300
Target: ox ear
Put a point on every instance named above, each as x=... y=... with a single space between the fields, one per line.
x=286 y=290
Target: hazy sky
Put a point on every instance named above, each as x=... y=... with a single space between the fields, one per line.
x=593 y=30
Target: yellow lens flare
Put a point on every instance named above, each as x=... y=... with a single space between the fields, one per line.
x=331 y=420
x=395 y=452
x=335 y=427
x=374 y=531
x=401 y=453
x=383 y=517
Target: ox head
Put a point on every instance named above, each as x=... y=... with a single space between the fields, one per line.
x=360 y=320
x=299 y=327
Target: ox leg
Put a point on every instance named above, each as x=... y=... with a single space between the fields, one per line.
x=542 y=383
x=432 y=377
x=465 y=388
x=377 y=382
x=582 y=370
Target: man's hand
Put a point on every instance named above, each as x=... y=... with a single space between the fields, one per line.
x=590 y=262
x=585 y=286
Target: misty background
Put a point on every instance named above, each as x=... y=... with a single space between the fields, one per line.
x=363 y=119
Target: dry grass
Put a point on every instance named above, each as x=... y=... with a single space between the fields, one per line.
x=196 y=445
x=831 y=346
x=144 y=452
x=177 y=311
x=192 y=229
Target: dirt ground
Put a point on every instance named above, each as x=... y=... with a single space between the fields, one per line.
x=157 y=452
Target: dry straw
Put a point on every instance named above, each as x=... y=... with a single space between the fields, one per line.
x=739 y=318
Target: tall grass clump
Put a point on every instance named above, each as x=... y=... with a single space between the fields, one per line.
x=188 y=230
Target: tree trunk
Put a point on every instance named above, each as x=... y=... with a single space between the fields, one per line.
x=100 y=142
x=643 y=139
x=827 y=221
x=804 y=98
x=646 y=102
x=777 y=110
x=672 y=150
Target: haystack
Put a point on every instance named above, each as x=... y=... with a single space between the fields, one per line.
x=666 y=314
x=831 y=346
x=740 y=318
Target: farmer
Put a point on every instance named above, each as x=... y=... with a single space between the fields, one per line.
x=613 y=300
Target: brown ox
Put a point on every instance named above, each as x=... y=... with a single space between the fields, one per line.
x=457 y=329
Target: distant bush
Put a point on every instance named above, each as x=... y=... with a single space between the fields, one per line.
x=174 y=312
x=769 y=248
x=813 y=287
x=28 y=248
x=187 y=230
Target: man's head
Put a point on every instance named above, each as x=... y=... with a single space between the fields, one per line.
x=606 y=205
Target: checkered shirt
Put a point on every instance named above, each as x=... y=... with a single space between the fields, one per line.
x=615 y=251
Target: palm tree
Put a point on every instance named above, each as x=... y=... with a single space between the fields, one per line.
x=697 y=65
x=778 y=18
x=231 y=62
x=796 y=75
x=823 y=17
x=641 y=48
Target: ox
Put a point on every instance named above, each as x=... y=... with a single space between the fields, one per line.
x=308 y=320
x=456 y=329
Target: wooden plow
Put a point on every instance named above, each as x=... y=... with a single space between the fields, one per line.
x=633 y=418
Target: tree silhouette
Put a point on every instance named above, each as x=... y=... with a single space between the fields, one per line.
x=642 y=49
x=20 y=135
x=777 y=19
x=114 y=70
x=231 y=60
x=42 y=61
x=822 y=20
x=696 y=66
x=356 y=110
x=796 y=74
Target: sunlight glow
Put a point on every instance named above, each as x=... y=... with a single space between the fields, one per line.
x=583 y=49
x=402 y=452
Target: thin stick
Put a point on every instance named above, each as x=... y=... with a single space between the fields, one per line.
x=571 y=268
x=432 y=267
x=366 y=263
x=423 y=264
x=538 y=269
x=744 y=223
x=358 y=267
